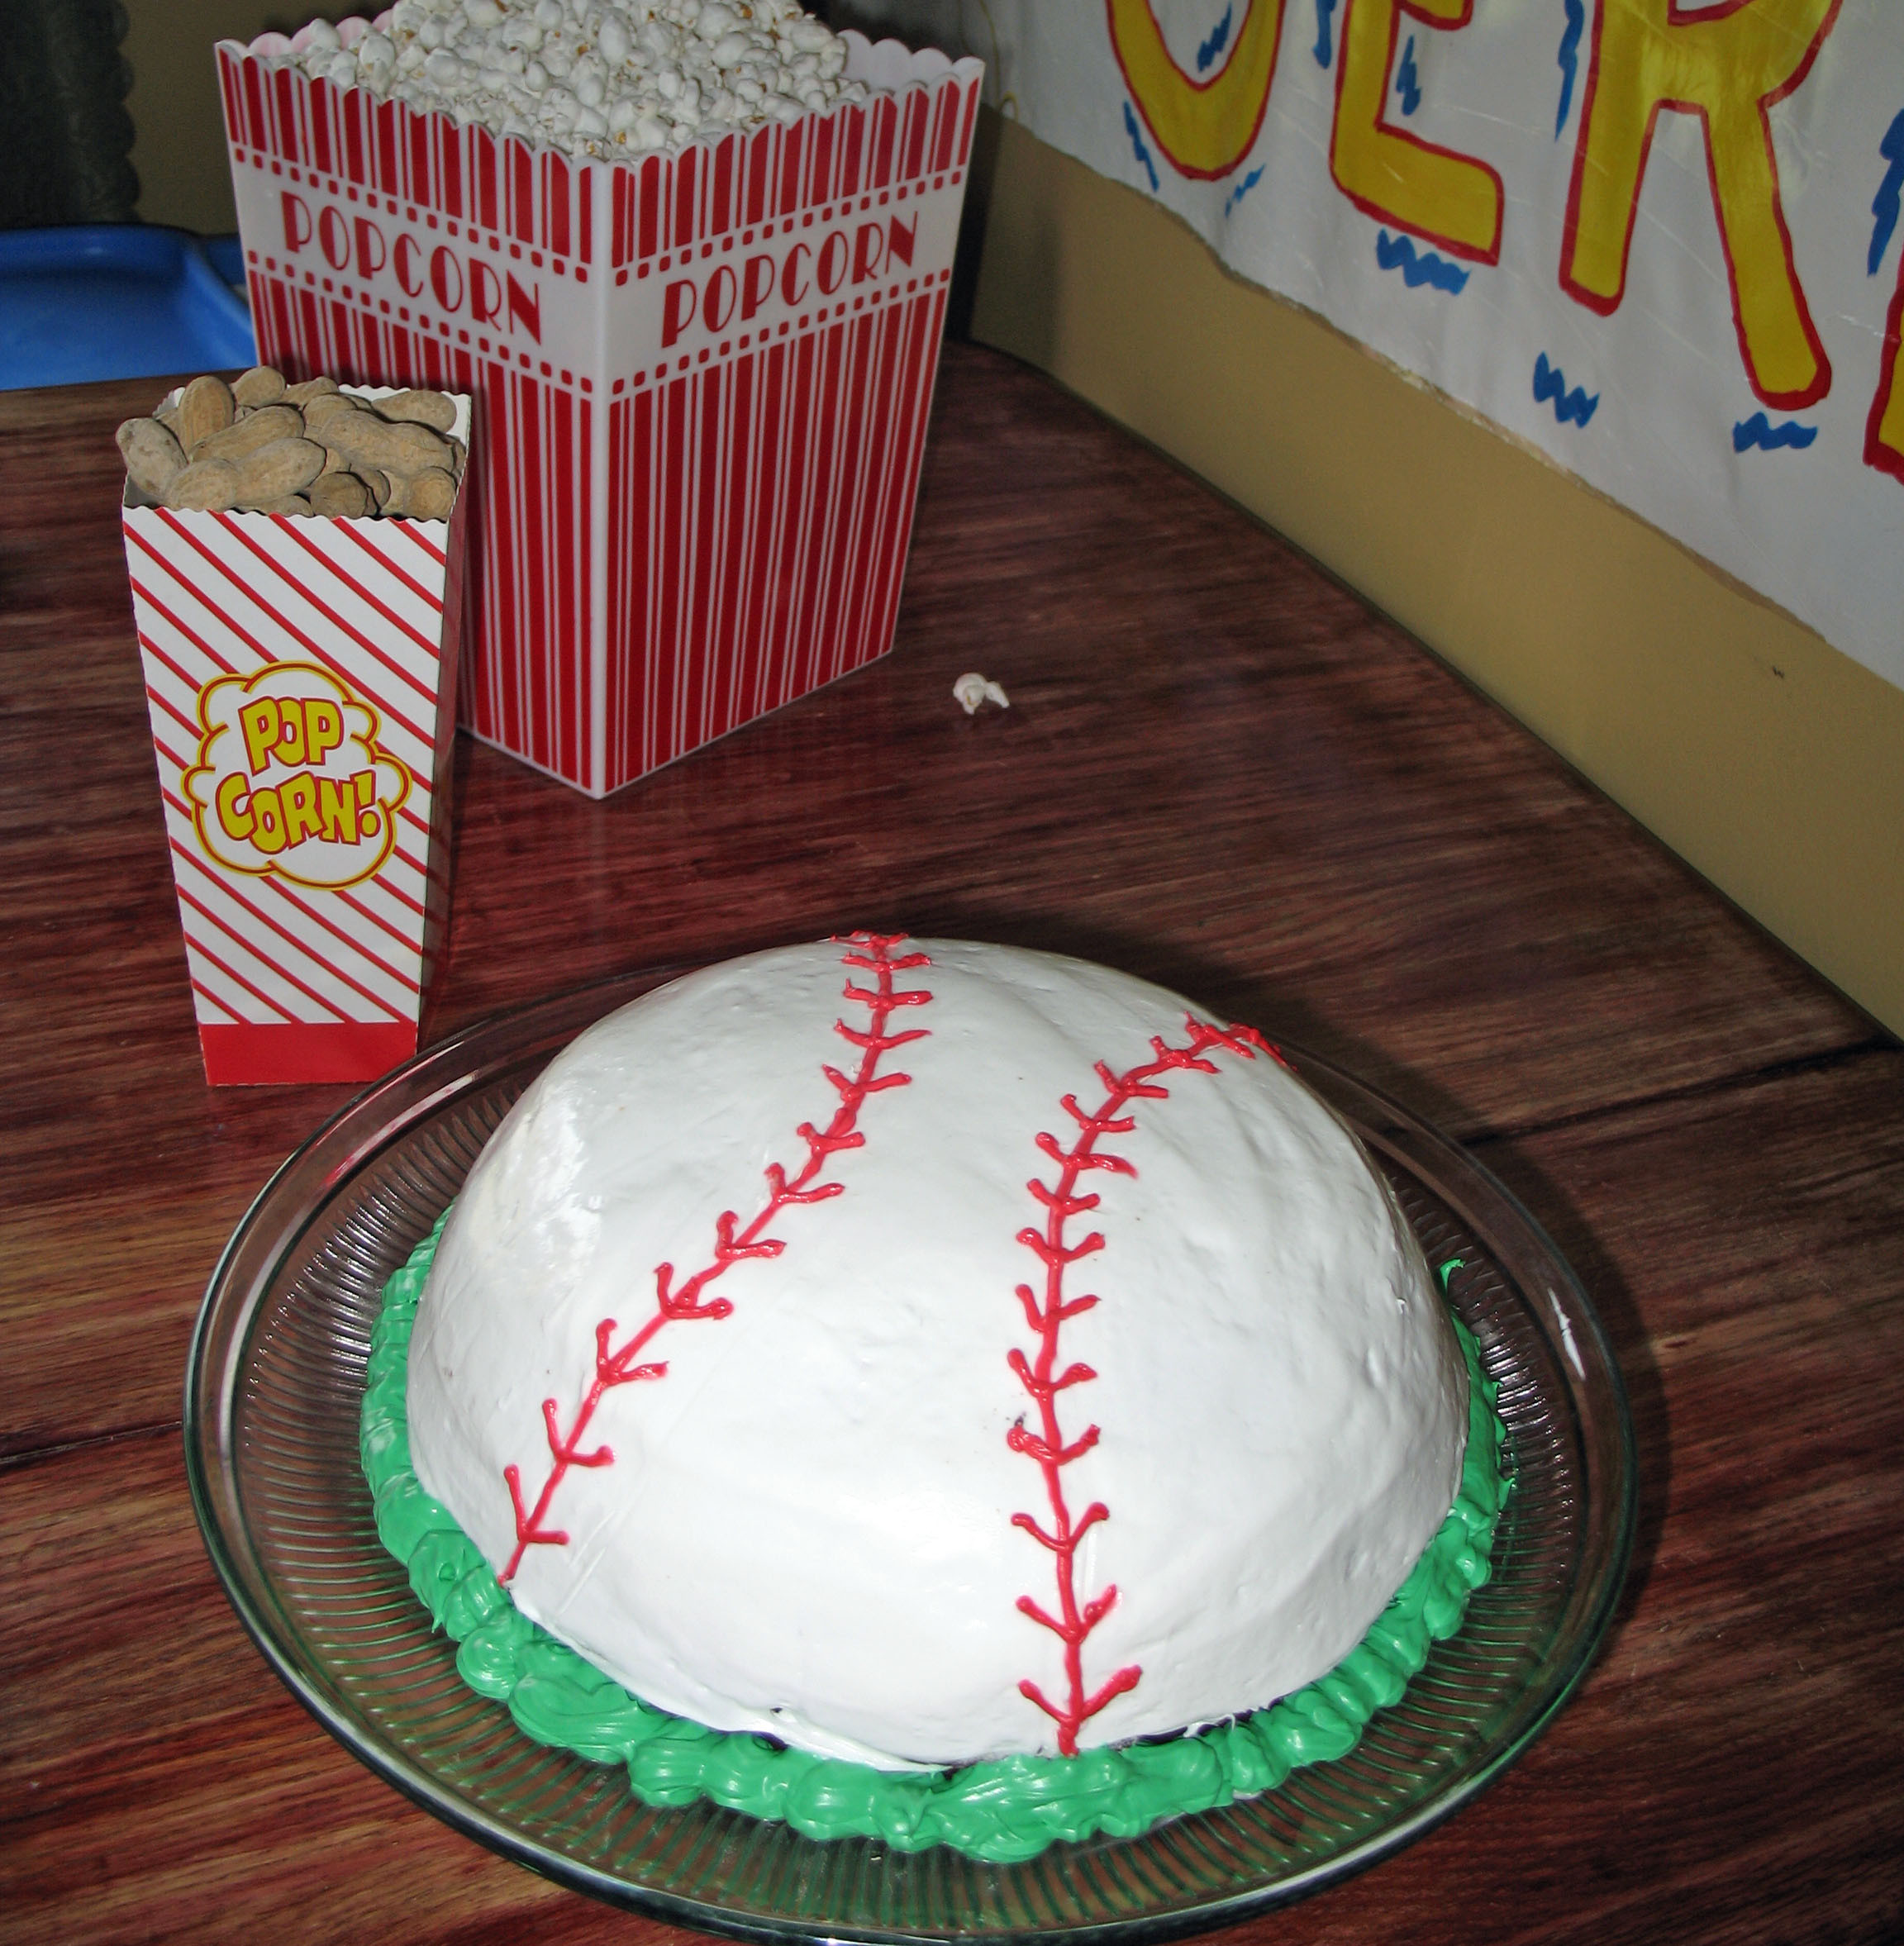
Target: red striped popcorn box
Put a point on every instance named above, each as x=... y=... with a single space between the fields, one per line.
x=703 y=378
x=301 y=673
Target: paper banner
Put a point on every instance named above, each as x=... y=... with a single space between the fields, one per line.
x=1657 y=239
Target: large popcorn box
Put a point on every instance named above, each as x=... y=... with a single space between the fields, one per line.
x=703 y=378
x=300 y=673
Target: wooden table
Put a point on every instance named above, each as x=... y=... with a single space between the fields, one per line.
x=1218 y=770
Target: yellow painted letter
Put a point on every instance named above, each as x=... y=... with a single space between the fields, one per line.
x=1451 y=199
x=234 y=808
x=1727 y=65
x=337 y=811
x=299 y=798
x=1205 y=127
x=260 y=721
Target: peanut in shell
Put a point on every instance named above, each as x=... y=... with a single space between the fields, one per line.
x=285 y=467
x=428 y=495
x=261 y=386
x=395 y=449
x=418 y=407
x=301 y=395
x=341 y=496
x=205 y=407
x=244 y=435
x=206 y=486
x=154 y=458
x=327 y=406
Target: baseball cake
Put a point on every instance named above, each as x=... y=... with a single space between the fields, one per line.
x=936 y=1391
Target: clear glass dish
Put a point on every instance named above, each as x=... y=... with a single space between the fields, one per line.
x=276 y=1375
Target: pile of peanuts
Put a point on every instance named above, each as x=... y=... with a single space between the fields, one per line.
x=264 y=446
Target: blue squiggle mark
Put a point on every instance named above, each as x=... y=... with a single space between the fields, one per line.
x=1569 y=59
x=1884 y=203
x=1324 y=11
x=1243 y=188
x=1218 y=40
x=1398 y=252
x=1758 y=430
x=1407 y=82
x=1576 y=406
x=1137 y=143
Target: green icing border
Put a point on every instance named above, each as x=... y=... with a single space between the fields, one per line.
x=1003 y=1812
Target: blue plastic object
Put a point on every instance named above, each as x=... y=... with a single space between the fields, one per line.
x=227 y=254
x=114 y=301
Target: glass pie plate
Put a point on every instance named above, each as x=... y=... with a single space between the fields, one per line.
x=276 y=1375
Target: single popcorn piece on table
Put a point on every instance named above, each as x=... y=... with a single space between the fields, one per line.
x=972 y=690
x=598 y=78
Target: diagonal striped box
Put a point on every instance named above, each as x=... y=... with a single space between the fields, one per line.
x=302 y=678
x=703 y=378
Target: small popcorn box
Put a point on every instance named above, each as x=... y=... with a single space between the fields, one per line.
x=300 y=673
x=704 y=377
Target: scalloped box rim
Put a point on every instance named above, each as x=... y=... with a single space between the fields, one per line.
x=887 y=67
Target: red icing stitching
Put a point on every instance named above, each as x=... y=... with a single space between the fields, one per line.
x=617 y=1366
x=1042 y=1379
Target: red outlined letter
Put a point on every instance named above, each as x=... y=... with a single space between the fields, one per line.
x=1452 y=199
x=1726 y=64
x=1884 y=430
x=1204 y=127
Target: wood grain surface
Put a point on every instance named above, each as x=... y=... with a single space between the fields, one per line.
x=1220 y=770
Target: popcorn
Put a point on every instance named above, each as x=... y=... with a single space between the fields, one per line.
x=607 y=78
x=972 y=690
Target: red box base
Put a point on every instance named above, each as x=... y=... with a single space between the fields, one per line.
x=257 y=1056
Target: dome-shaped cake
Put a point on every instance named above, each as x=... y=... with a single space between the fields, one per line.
x=921 y=1352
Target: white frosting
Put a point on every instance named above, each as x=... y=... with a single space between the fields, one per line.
x=806 y=1526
